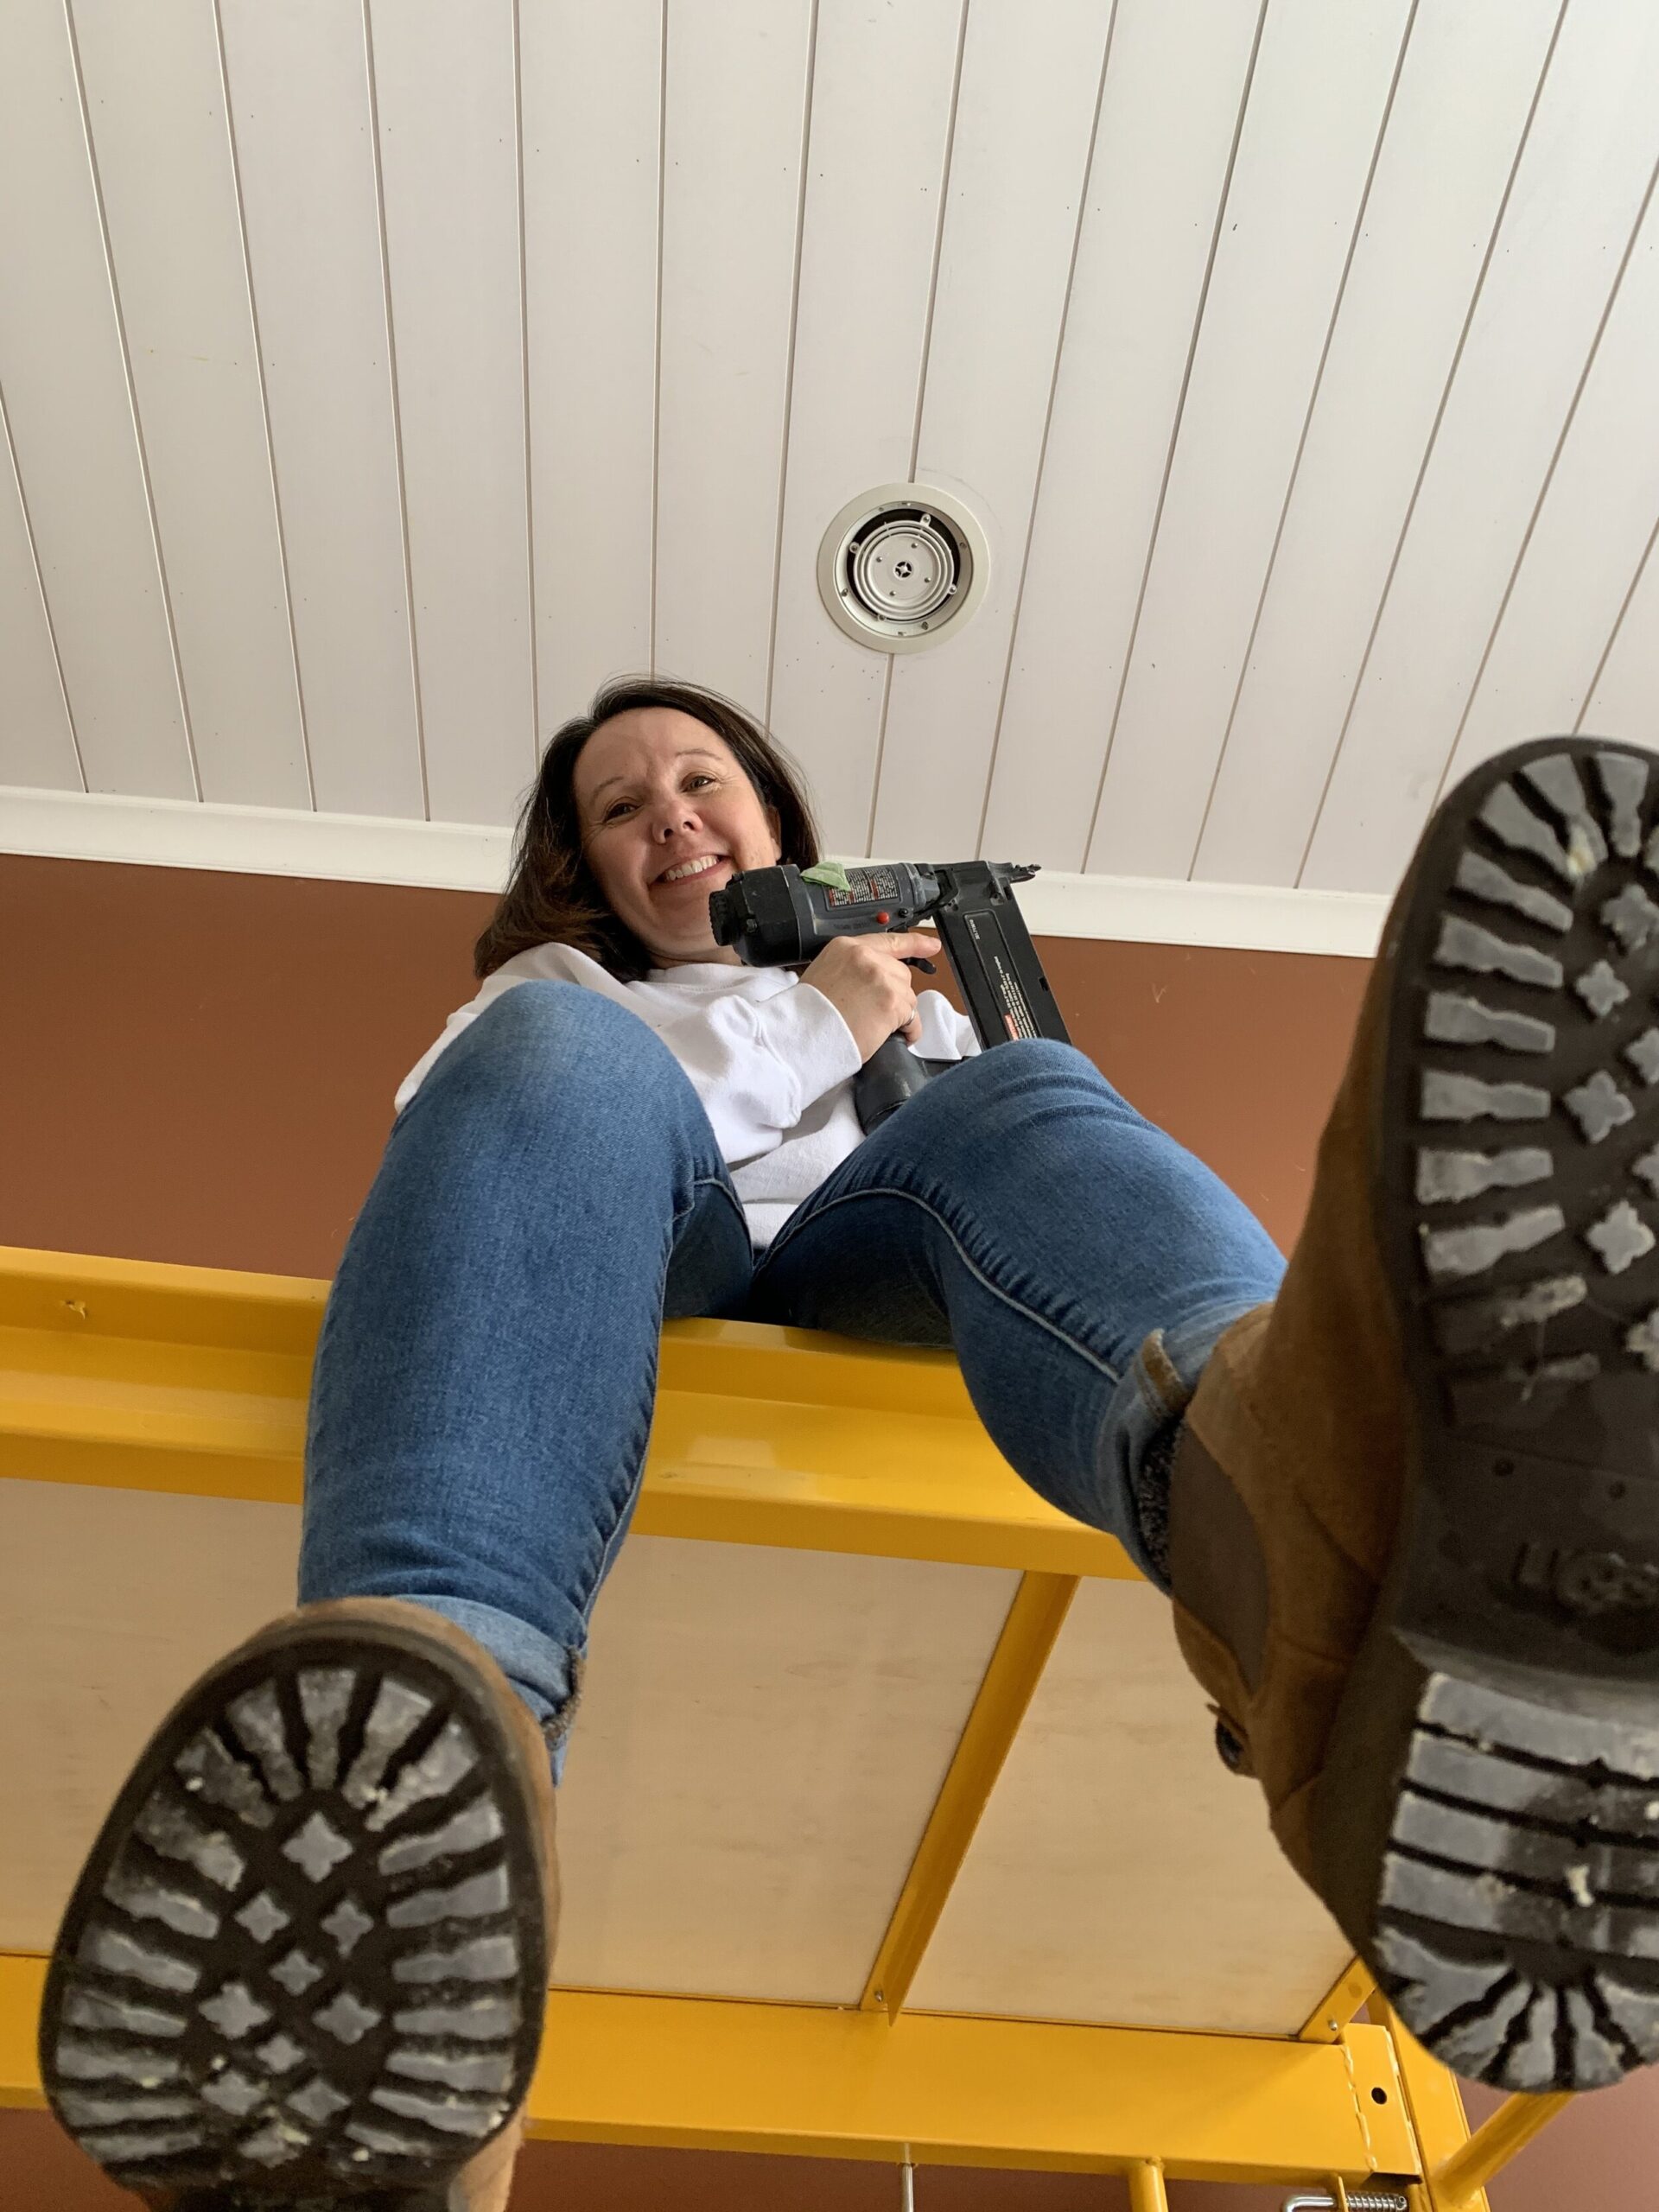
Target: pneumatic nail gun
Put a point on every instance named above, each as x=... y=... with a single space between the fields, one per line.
x=784 y=916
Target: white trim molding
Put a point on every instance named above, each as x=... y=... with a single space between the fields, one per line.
x=463 y=857
x=252 y=840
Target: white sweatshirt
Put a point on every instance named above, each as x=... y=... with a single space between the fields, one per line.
x=773 y=1063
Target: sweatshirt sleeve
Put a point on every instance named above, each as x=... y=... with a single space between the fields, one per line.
x=946 y=1035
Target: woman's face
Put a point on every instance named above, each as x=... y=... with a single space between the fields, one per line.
x=654 y=789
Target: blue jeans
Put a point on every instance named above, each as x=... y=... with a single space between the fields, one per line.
x=484 y=1378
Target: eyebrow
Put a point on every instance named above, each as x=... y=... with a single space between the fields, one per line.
x=692 y=752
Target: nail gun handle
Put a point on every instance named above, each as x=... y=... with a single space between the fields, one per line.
x=891 y=1075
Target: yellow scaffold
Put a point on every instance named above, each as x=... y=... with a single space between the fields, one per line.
x=892 y=1829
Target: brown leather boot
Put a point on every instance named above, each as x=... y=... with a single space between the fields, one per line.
x=1414 y=1509
x=306 y=1963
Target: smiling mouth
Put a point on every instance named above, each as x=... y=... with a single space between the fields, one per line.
x=699 y=875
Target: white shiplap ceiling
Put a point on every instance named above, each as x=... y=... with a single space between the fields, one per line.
x=378 y=375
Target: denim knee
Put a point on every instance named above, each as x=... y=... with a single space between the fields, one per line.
x=1010 y=1076
x=600 y=1050
x=542 y=1019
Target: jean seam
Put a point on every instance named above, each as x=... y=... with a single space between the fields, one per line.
x=886 y=1191
x=622 y=1517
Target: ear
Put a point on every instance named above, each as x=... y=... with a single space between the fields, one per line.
x=775 y=822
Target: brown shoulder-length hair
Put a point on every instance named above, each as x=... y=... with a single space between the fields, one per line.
x=553 y=896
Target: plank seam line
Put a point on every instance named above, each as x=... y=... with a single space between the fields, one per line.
x=265 y=399
x=1301 y=442
x=1175 y=428
x=1433 y=438
x=132 y=397
x=789 y=365
x=1048 y=424
x=1612 y=635
x=396 y=409
x=657 y=353
x=1549 y=477
x=40 y=586
x=523 y=340
x=921 y=381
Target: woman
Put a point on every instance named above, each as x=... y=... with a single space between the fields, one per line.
x=627 y=1125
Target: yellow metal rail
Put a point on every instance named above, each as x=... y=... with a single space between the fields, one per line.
x=140 y=1376
x=781 y=2078
x=1341 y=2003
x=1034 y=1620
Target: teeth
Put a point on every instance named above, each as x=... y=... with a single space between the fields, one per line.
x=697 y=867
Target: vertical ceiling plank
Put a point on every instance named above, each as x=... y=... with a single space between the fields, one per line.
x=1173 y=88
x=736 y=86
x=1592 y=532
x=1318 y=102
x=592 y=82
x=881 y=96
x=299 y=91
x=1031 y=84
x=37 y=739
x=1578 y=193
x=444 y=82
x=73 y=431
x=1441 y=180
x=156 y=110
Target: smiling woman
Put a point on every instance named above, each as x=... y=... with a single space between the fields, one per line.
x=592 y=844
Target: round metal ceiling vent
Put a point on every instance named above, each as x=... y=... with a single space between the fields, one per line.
x=902 y=567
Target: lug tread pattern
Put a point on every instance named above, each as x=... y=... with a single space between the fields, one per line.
x=1519 y=1927
x=305 y=1962
x=1547 y=905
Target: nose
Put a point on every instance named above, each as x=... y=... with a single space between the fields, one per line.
x=672 y=814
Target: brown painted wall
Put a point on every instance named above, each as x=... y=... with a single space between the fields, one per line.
x=199 y=1067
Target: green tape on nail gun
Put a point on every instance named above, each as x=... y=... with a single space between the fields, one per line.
x=829 y=873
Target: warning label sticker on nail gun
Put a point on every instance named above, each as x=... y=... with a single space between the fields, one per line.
x=863 y=885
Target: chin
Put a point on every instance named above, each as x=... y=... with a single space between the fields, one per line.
x=682 y=949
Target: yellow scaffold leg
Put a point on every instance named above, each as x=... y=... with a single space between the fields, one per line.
x=1510 y=2128
x=1146 y=2191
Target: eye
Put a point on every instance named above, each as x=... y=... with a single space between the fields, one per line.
x=699 y=777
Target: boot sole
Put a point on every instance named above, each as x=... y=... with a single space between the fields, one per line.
x=306 y=1960
x=1487 y=1824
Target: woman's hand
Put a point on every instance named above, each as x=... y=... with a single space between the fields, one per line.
x=865 y=980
